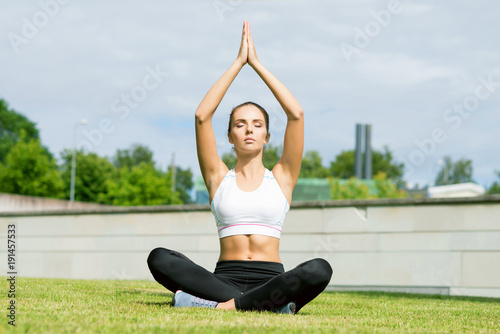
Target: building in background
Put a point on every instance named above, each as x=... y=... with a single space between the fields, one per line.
x=456 y=190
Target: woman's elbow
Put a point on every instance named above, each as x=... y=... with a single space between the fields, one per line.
x=200 y=116
x=296 y=115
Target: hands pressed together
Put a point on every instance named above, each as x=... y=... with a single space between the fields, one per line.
x=247 y=52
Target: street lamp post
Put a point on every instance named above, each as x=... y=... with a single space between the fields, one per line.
x=73 y=162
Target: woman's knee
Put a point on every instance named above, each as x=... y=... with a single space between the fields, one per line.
x=156 y=256
x=320 y=271
x=326 y=270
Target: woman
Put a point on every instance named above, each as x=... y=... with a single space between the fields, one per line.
x=249 y=203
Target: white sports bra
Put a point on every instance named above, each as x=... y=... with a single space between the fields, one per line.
x=261 y=211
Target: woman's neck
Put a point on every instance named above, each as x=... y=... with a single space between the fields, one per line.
x=249 y=167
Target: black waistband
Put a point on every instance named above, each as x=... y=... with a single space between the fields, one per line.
x=244 y=266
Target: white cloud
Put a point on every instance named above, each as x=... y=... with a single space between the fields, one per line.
x=396 y=70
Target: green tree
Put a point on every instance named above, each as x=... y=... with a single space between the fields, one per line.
x=270 y=157
x=11 y=124
x=349 y=189
x=28 y=170
x=140 y=185
x=495 y=187
x=312 y=166
x=360 y=189
x=139 y=154
x=343 y=166
x=133 y=156
x=229 y=158
x=454 y=172
x=183 y=183
x=382 y=161
x=91 y=174
x=386 y=188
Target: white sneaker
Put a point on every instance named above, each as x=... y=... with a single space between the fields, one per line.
x=184 y=299
x=287 y=309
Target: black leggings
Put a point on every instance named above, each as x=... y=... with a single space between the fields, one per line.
x=254 y=285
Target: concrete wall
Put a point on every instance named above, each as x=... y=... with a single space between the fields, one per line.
x=446 y=246
x=20 y=203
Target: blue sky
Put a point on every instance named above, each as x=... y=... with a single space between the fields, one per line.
x=424 y=74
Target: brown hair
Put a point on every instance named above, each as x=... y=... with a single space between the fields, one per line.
x=264 y=112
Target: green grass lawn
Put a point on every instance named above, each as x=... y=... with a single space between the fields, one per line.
x=78 y=306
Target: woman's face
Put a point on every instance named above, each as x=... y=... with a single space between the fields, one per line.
x=248 y=129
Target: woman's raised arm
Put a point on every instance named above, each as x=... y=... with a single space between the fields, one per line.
x=289 y=164
x=211 y=165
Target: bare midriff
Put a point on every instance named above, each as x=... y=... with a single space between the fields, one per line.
x=251 y=247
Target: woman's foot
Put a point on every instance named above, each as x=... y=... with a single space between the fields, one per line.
x=286 y=309
x=228 y=306
x=184 y=299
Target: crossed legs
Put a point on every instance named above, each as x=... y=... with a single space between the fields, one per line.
x=302 y=284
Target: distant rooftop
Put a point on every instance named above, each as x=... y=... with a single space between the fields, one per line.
x=456 y=190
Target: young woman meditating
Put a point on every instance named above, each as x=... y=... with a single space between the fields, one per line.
x=249 y=204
